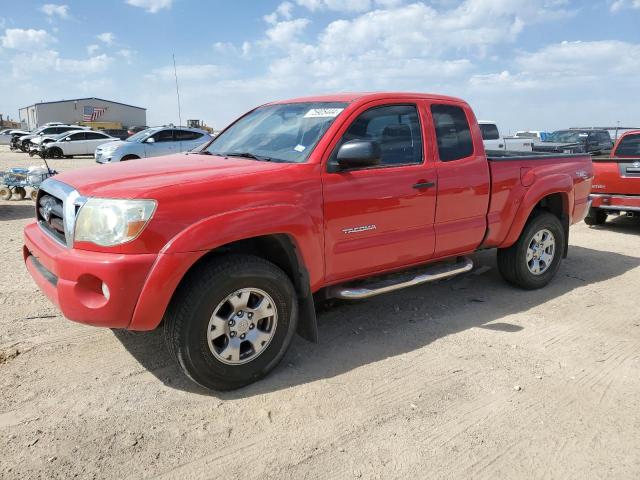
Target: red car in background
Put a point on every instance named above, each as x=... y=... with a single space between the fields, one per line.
x=616 y=185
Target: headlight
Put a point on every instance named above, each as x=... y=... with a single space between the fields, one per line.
x=108 y=222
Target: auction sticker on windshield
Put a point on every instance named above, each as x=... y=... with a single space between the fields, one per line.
x=323 y=112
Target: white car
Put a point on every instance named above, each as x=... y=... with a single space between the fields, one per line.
x=75 y=142
x=493 y=140
x=5 y=135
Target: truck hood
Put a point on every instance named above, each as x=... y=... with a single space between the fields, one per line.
x=154 y=177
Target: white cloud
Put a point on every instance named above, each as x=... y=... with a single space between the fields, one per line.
x=151 y=6
x=26 y=39
x=127 y=55
x=107 y=38
x=53 y=10
x=285 y=32
x=92 y=49
x=618 y=5
x=336 y=5
x=50 y=60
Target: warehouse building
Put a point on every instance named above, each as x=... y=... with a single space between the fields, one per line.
x=95 y=112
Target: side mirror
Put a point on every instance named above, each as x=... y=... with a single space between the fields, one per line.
x=358 y=154
x=68 y=139
x=150 y=140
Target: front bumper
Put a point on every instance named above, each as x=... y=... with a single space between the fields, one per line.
x=626 y=203
x=74 y=279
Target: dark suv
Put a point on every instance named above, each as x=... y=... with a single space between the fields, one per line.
x=595 y=142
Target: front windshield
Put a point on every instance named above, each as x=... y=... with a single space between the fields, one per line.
x=282 y=132
x=565 y=136
x=138 y=137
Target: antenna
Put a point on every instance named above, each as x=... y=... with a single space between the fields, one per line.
x=175 y=72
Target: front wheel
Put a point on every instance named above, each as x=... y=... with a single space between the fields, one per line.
x=534 y=259
x=595 y=216
x=231 y=321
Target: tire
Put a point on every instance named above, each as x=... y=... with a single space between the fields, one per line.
x=517 y=264
x=34 y=194
x=129 y=157
x=595 y=216
x=19 y=193
x=5 y=193
x=54 y=152
x=190 y=331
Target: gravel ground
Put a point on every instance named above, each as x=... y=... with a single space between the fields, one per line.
x=467 y=378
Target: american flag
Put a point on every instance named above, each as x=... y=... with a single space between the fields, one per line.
x=91 y=114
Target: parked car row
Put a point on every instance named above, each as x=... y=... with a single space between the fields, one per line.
x=56 y=140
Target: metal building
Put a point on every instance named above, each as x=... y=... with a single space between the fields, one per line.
x=92 y=111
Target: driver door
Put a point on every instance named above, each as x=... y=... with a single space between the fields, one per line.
x=380 y=217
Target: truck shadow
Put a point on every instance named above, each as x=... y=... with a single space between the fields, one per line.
x=355 y=334
x=16 y=210
x=621 y=224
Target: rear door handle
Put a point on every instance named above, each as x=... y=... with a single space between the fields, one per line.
x=421 y=185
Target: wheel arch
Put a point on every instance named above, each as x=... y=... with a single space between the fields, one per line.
x=554 y=195
x=171 y=269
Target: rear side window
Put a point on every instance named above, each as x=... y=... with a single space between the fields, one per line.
x=452 y=132
x=629 y=146
x=489 y=131
x=187 y=135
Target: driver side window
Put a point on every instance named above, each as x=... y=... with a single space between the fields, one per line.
x=164 y=136
x=396 y=129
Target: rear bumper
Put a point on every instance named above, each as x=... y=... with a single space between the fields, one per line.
x=627 y=203
x=75 y=280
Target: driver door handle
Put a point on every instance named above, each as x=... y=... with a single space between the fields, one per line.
x=421 y=185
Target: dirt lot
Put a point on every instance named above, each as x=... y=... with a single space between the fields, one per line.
x=467 y=378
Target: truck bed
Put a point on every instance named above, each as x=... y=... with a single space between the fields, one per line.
x=513 y=177
x=511 y=155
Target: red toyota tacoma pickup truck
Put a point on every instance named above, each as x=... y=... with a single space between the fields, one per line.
x=616 y=183
x=342 y=196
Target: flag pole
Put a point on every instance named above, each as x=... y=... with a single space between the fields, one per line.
x=175 y=72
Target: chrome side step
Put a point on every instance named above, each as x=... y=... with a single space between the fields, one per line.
x=400 y=280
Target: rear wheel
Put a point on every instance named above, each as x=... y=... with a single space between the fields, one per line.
x=534 y=259
x=595 y=216
x=231 y=321
x=5 y=193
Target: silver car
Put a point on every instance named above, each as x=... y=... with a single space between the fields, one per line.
x=152 y=142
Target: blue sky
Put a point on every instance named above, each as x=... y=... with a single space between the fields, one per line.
x=527 y=64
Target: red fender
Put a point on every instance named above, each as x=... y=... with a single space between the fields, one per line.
x=559 y=183
x=184 y=250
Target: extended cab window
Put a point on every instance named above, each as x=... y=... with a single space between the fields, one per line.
x=489 y=131
x=629 y=146
x=396 y=128
x=452 y=132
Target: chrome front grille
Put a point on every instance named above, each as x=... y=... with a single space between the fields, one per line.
x=50 y=214
x=57 y=206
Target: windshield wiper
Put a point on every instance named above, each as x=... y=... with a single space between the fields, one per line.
x=253 y=156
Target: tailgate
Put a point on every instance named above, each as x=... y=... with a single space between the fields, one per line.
x=616 y=176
